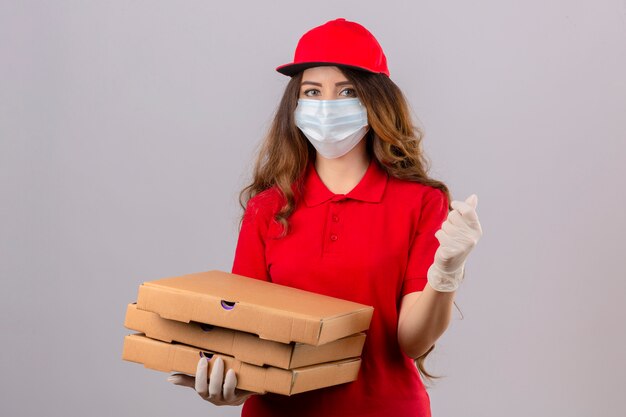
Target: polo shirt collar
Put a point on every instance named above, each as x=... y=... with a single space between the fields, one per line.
x=369 y=189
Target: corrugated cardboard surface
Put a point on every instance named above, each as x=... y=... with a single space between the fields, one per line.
x=245 y=347
x=272 y=311
x=168 y=357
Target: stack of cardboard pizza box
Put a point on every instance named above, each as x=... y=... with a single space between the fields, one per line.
x=277 y=339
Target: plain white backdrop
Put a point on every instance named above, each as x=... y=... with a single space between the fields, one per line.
x=127 y=129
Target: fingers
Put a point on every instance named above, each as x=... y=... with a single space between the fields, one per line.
x=455 y=237
x=216 y=380
x=455 y=218
x=454 y=247
x=237 y=396
x=472 y=200
x=182 y=380
x=230 y=383
x=217 y=389
x=467 y=208
x=440 y=235
x=460 y=229
x=201 y=384
x=230 y=393
x=467 y=212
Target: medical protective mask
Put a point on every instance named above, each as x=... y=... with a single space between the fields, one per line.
x=333 y=127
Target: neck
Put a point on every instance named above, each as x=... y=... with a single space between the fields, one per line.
x=340 y=175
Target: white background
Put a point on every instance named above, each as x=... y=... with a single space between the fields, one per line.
x=127 y=129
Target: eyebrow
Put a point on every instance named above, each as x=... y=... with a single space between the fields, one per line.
x=319 y=84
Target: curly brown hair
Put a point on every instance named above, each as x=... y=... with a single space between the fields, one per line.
x=392 y=139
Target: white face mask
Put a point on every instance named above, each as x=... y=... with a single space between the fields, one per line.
x=333 y=127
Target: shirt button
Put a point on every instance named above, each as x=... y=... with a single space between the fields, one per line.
x=335 y=218
x=333 y=237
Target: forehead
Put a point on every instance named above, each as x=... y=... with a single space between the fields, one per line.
x=323 y=73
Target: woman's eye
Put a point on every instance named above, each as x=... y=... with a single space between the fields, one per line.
x=350 y=92
x=311 y=92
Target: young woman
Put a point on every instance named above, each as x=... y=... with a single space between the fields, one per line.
x=341 y=204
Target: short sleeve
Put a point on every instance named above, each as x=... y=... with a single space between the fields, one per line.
x=249 y=258
x=424 y=244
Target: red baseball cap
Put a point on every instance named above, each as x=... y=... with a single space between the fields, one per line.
x=338 y=42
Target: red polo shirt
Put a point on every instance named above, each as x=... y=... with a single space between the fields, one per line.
x=372 y=246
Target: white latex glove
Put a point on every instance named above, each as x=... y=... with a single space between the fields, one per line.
x=212 y=389
x=457 y=237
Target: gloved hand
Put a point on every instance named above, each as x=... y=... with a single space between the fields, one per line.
x=213 y=390
x=457 y=237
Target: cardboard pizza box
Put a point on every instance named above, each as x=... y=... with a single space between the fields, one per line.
x=271 y=311
x=246 y=347
x=172 y=357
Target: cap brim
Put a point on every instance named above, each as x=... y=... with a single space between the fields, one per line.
x=293 y=68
